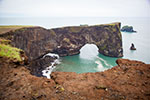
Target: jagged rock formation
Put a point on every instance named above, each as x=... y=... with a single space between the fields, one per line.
x=37 y=41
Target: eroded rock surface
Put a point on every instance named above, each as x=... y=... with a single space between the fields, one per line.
x=37 y=41
x=130 y=80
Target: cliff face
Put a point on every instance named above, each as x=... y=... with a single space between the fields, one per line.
x=107 y=38
x=37 y=41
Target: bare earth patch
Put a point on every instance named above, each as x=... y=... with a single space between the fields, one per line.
x=130 y=80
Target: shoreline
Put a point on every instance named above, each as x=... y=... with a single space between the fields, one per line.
x=120 y=82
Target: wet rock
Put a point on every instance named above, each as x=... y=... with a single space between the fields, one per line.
x=37 y=66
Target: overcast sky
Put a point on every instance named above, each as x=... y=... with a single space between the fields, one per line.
x=75 y=8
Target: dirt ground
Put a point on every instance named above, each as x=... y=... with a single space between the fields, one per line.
x=130 y=80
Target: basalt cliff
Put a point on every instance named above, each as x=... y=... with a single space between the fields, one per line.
x=65 y=41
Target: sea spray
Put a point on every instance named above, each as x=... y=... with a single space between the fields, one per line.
x=50 y=69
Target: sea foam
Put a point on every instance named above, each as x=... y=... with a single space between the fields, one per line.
x=47 y=72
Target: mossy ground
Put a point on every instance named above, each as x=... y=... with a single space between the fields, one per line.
x=8 y=51
x=4 y=41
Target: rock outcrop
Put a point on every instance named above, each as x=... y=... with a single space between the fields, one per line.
x=132 y=47
x=128 y=80
x=37 y=41
x=127 y=29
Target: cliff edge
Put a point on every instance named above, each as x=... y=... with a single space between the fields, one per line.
x=128 y=80
x=65 y=41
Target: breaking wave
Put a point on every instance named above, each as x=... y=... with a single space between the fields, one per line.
x=50 y=69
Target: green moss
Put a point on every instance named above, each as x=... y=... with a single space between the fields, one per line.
x=114 y=29
x=104 y=47
x=10 y=52
x=75 y=29
x=52 y=32
x=4 y=41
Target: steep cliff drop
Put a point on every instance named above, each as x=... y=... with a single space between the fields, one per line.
x=65 y=41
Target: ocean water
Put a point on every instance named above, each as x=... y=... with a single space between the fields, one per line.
x=89 y=60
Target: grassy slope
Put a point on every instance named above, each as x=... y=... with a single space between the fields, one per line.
x=7 y=28
x=5 y=49
x=10 y=52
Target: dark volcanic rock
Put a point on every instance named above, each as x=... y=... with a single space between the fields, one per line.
x=37 y=41
x=132 y=47
x=37 y=66
x=127 y=29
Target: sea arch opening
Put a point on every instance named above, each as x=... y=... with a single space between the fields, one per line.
x=86 y=61
x=89 y=51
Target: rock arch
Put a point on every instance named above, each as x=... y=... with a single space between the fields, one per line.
x=107 y=37
x=37 y=41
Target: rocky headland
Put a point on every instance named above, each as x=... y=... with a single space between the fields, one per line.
x=37 y=41
x=65 y=41
x=19 y=67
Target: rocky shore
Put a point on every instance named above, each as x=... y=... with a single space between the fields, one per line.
x=20 y=68
x=64 y=41
x=129 y=80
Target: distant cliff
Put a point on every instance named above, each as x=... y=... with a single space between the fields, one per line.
x=37 y=41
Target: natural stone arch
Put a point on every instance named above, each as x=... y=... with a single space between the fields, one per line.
x=37 y=41
x=106 y=37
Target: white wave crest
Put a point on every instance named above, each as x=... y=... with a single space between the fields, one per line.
x=51 y=55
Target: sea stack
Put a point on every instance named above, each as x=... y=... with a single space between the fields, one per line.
x=132 y=47
x=127 y=29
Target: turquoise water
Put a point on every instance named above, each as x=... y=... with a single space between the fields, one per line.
x=141 y=40
x=89 y=60
x=79 y=64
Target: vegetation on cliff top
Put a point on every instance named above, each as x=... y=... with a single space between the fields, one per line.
x=8 y=51
x=7 y=28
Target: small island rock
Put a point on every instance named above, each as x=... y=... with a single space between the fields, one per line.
x=132 y=47
x=127 y=29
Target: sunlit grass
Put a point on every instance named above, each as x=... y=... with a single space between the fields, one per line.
x=10 y=52
x=14 y=26
x=7 y=28
x=4 y=41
